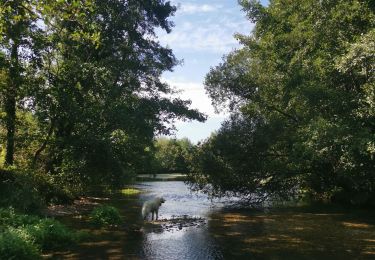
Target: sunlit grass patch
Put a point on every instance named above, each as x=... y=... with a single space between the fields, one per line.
x=130 y=191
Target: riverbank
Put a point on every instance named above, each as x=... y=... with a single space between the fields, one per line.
x=116 y=242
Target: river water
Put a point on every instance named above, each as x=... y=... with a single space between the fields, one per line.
x=279 y=233
x=224 y=232
x=193 y=242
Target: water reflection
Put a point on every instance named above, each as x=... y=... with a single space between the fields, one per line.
x=279 y=233
x=225 y=233
x=193 y=242
x=179 y=199
x=187 y=244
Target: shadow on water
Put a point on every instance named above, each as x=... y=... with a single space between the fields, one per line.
x=294 y=233
x=210 y=230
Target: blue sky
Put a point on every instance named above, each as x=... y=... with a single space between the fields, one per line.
x=203 y=33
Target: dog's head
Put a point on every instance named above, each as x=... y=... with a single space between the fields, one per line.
x=161 y=201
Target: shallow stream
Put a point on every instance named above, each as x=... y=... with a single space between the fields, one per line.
x=191 y=226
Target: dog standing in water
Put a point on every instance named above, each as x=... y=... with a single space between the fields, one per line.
x=152 y=206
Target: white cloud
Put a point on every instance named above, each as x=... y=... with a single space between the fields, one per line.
x=196 y=93
x=214 y=35
x=197 y=8
x=203 y=33
x=195 y=131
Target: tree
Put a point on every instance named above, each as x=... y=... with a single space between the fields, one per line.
x=106 y=89
x=173 y=155
x=305 y=73
x=86 y=74
x=18 y=30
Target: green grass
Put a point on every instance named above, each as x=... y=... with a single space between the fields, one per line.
x=130 y=191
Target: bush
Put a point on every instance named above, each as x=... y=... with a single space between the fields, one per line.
x=43 y=233
x=17 y=244
x=31 y=191
x=52 y=189
x=105 y=216
x=9 y=218
x=51 y=234
x=18 y=189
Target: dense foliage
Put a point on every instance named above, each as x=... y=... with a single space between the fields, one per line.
x=301 y=91
x=25 y=237
x=81 y=95
x=172 y=155
x=105 y=216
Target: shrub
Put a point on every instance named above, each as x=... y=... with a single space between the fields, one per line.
x=51 y=234
x=17 y=189
x=105 y=216
x=52 y=189
x=44 y=233
x=17 y=244
x=31 y=191
x=8 y=217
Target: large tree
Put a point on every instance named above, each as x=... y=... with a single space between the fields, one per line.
x=19 y=35
x=304 y=83
x=96 y=91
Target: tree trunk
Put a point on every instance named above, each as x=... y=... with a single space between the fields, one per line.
x=10 y=103
x=44 y=144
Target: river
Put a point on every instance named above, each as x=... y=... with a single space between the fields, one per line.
x=218 y=231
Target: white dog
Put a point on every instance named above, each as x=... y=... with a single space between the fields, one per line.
x=152 y=206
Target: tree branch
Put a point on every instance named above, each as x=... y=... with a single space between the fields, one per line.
x=282 y=112
x=44 y=144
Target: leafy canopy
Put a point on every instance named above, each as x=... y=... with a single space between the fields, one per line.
x=301 y=91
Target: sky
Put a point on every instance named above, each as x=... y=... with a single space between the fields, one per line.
x=202 y=35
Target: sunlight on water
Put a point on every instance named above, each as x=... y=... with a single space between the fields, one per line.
x=188 y=243
x=190 y=226
x=289 y=233
x=179 y=199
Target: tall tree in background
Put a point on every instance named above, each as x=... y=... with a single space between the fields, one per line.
x=17 y=29
x=173 y=155
x=303 y=86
